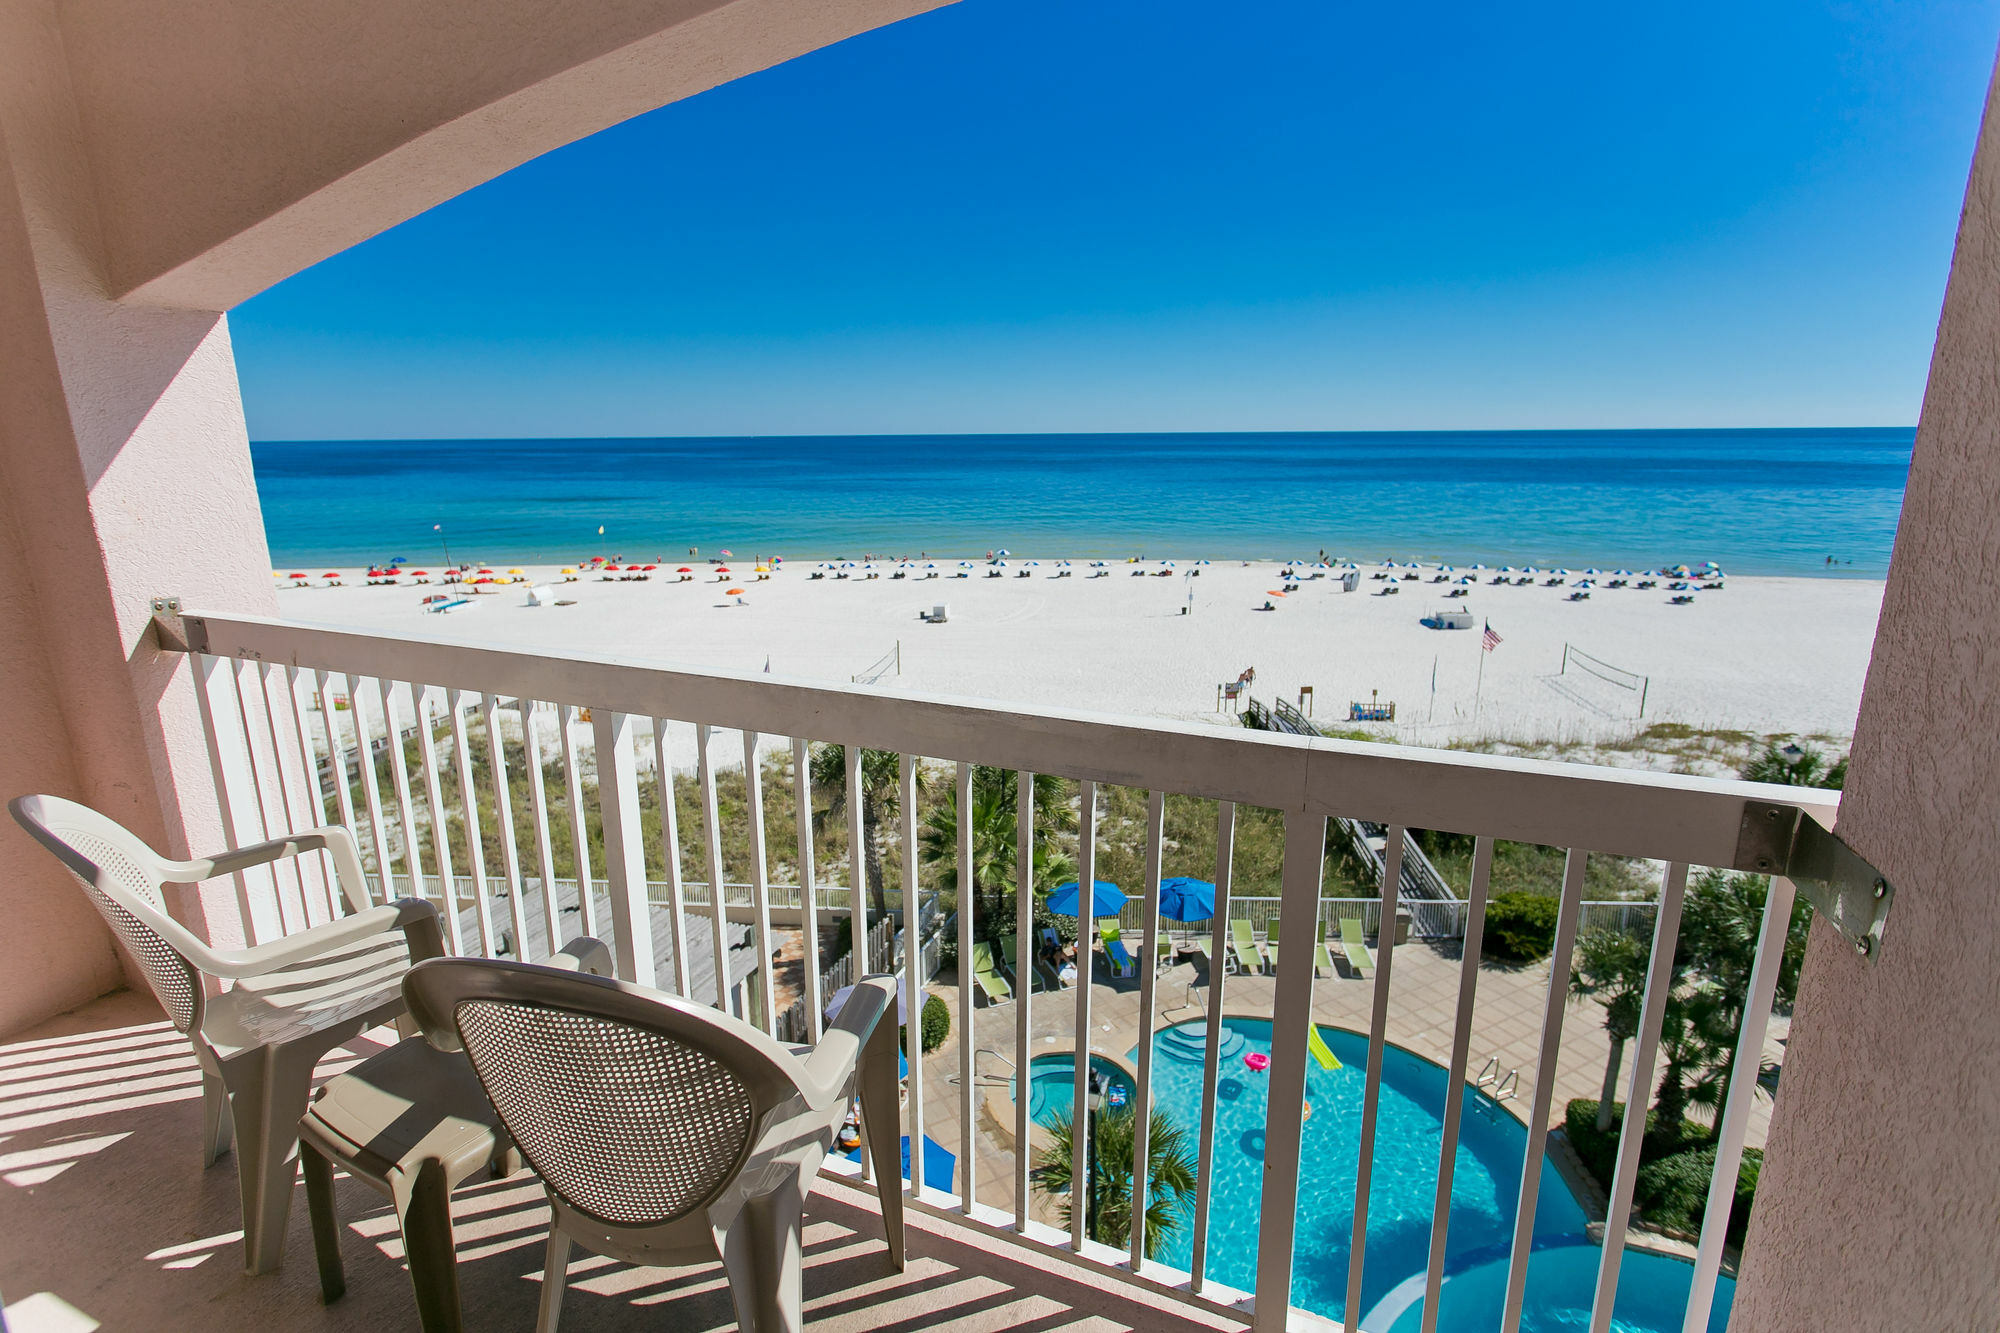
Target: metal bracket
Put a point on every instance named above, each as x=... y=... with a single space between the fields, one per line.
x=167 y=625
x=1852 y=895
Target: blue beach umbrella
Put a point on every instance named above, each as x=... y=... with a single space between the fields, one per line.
x=1184 y=899
x=1105 y=899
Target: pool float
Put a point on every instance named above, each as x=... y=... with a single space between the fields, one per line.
x=1257 y=1060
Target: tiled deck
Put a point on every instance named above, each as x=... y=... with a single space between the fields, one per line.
x=106 y=1211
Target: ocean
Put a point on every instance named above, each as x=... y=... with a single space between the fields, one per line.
x=1755 y=501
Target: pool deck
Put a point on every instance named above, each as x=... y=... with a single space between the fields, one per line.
x=1423 y=1005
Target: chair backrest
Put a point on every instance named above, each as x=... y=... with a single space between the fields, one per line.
x=122 y=877
x=634 y=1107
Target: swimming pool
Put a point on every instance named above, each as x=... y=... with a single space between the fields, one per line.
x=1052 y=1085
x=1652 y=1294
x=1485 y=1183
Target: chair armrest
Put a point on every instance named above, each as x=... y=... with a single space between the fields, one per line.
x=827 y=1072
x=585 y=954
x=417 y=919
x=336 y=839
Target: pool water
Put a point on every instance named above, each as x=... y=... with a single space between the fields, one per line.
x=1485 y=1185
x=1652 y=1294
x=1052 y=1085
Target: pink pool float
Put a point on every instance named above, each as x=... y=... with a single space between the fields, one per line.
x=1258 y=1061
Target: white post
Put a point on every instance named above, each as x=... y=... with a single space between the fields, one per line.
x=624 y=851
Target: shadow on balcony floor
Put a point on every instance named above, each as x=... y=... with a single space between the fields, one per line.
x=104 y=1206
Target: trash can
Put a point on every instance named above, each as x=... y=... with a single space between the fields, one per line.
x=1402 y=925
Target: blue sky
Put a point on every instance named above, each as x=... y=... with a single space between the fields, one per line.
x=1053 y=215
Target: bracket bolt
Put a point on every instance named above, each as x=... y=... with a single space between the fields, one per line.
x=1862 y=946
x=1881 y=888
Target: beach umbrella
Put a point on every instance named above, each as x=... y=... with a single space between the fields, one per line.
x=726 y=552
x=1465 y=578
x=517 y=571
x=295 y=575
x=722 y=569
x=418 y=573
x=931 y=565
x=732 y=592
x=682 y=570
x=483 y=571
x=331 y=574
x=1003 y=553
x=1185 y=899
x=1105 y=899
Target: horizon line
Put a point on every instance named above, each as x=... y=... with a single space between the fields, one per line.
x=1022 y=434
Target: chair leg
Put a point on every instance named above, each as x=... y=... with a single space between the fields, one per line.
x=325 y=1222
x=423 y=1207
x=760 y=1254
x=266 y=1100
x=214 y=1117
x=555 y=1276
x=880 y=1122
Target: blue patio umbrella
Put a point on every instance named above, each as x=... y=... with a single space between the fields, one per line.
x=1105 y=899
x=1184 y=899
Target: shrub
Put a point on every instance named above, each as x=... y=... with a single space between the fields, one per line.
x=1673 y=1190
x=935 y=1017
x=1520 y=927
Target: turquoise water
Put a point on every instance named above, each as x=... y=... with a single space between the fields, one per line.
x=1757 y=501
x=1485 y=1184
x=1052 y=1085
x=1652 y=1295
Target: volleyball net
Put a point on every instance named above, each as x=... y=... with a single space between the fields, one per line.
x=1635 y=684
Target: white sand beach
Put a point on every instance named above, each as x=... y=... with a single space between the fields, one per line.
x=1761 y=655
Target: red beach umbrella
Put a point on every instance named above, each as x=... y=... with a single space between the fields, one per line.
x=420 y=573
x=485 y=571
x=331 y=574
x=722 y=569
x=684 y=570
x=652 y=566
x=295 y=575
x=732 y=592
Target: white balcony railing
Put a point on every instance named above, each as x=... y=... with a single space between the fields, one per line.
x=269 y=692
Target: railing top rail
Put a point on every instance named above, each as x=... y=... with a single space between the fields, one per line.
x=1631 y=813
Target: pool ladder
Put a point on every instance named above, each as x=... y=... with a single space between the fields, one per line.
x=1504 y=1088
x=987 y=1080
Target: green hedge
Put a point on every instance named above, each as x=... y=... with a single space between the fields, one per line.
x=936 y=1019
x=1675 y=1167
x=1520 y=927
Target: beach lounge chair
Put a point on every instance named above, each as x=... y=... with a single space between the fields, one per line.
x=1353 y=946
x=1322 y=959
x=1114 y=949
x=1243 y=946
x=988 y=976
x=1010 y=961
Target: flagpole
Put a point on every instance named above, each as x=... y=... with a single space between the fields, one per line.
x=1479 y=683
x=1434 y=689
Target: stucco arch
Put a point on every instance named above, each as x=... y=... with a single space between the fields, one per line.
x=232 y=143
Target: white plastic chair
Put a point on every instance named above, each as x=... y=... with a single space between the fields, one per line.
x=665 y=1132
x=292 y=1000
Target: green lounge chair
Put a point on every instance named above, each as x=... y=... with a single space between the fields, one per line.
x=1271 y=943
x=1010 y=956
x=1322 y=960
x=988 y=976
x=1114 y=948
x=1351 y=944
x=1249 y=957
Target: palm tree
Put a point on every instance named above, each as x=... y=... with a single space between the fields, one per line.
x=1611 y=969
x=881 y=801
x=995 y=825
x=1169 y=1176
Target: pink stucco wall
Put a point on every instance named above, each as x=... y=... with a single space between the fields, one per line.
x=161 y=160
x=1879 y=1206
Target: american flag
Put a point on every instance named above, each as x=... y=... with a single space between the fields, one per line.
x=1491 y=640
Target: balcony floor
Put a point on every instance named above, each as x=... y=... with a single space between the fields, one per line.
x=107 y=1220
